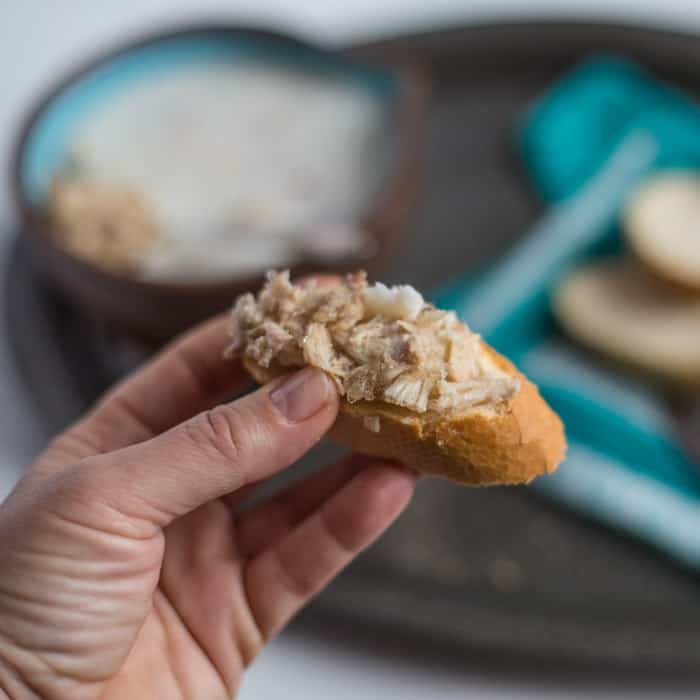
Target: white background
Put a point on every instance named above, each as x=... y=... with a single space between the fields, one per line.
x=41 y=39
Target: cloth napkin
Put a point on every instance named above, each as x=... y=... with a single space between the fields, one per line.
x=586 y=143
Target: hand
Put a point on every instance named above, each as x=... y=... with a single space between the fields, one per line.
x=126 y=571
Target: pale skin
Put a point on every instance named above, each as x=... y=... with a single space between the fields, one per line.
x=126 y=570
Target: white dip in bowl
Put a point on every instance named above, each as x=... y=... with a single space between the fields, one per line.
x=244 y=165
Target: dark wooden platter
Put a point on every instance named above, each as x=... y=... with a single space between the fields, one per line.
x=496 y=571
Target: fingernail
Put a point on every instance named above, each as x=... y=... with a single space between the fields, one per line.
x=302 y=395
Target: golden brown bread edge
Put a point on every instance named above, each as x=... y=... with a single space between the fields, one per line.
x=514 y=446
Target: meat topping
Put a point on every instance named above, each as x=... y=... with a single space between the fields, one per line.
x=378 y=343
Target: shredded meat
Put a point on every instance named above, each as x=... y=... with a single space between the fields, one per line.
x=320 y=352
x=393 y=350
x=109 y=226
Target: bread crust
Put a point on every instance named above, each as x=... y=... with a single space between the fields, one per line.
x=511 y=444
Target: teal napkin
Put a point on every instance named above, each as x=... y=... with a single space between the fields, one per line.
x=585 y=144
x=569 y=134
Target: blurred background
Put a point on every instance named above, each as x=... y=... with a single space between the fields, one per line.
x=535 y=166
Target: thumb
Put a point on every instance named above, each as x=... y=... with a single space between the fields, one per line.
x=214 y=453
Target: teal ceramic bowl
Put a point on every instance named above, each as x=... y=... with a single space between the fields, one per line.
x=158 y=310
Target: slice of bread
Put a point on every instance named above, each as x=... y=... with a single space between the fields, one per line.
x=616 y=308
x=512 y=444
x=662 y=226
x=499 y=430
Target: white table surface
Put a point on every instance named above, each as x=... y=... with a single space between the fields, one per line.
x=39 y=39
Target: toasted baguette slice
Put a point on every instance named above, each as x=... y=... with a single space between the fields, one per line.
x=416 y=385
x=662 y=226
x=482 y=447
x=617 y=309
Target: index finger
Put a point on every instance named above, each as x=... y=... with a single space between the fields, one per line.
x=188 y=376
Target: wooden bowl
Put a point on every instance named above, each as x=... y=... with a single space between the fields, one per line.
x=156 y=310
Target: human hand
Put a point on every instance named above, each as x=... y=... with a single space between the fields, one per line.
x=127 y=573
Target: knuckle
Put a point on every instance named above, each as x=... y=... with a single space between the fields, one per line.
x=220 y=429
x=338 y=532
x=300 y=582
x=84 y=500
x=75 y=443
x=72 y=490
x=81 y=481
